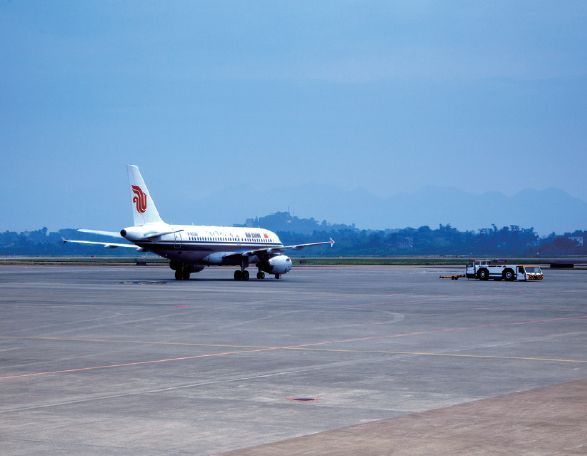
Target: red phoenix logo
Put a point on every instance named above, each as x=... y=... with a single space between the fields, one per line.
x=140 y=199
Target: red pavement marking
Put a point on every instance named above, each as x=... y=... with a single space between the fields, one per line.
x=286 y=347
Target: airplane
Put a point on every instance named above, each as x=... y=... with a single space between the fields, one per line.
x=191 y=248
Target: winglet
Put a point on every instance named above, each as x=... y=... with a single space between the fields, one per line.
x=332 y=242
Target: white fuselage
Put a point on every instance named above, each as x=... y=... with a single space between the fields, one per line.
x=199 y=244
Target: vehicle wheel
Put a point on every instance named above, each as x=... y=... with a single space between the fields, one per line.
x=178 y=275
x=277 y=276
x=238 y=275
x=185 y=275
x=245 y=275
x=483 y=274
x=508 y=275
x=260 y=275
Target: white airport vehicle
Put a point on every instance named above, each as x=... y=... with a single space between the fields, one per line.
x=501 y=270
x=191 y=248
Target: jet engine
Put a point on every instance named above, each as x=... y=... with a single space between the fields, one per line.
x=279 y=264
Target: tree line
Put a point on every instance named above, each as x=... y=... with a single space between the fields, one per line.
x=350 y=241
x=444 y=240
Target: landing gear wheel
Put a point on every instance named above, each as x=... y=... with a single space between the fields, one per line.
x=260 y=275
x=182 y=275
x=245 y=275
x=238 y=275
x=277 y=276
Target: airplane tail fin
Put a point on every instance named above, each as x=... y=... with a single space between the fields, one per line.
x=144 y=210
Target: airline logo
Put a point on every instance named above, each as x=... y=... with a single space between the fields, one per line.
x=139 y=199
x=265 y=235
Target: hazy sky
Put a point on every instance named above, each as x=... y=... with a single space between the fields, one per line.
x=387 y=96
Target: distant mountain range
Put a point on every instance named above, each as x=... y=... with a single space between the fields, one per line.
x=548 y=210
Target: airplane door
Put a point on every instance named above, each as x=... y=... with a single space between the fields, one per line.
x=177 y=240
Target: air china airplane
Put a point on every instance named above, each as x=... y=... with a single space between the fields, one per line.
x=191 y=248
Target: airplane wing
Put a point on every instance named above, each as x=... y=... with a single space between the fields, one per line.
x=303 y=246
x=277 y=250
x=108 y=245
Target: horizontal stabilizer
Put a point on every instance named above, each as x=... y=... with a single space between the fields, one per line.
x=114 y=234
x=108 y=245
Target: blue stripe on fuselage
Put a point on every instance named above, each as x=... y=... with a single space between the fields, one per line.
x=181 y=244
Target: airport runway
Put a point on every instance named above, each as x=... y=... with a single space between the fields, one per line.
x=124 y=360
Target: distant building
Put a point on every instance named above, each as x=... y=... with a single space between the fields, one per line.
x=406 y=243
x=580 y=240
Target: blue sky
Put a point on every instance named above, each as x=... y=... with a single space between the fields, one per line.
x=384 y=96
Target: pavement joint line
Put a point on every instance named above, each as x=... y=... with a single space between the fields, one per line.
x=93 y=320
x=286 y=347
x=457 y=355
x=170 y=388
x=124 y=341
x=136 y=363
x=439 y=331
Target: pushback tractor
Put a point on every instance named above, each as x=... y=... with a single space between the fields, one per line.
x=502 y=270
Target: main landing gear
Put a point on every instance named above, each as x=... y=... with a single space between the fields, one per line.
x=241 y=275
x=183 y=270
x=182 y=274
